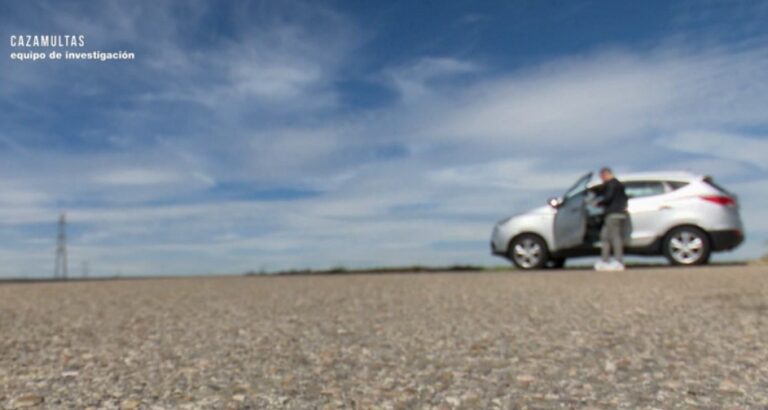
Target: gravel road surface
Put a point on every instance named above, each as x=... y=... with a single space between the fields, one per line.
x=642 y=339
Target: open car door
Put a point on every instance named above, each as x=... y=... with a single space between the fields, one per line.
x=571 y=217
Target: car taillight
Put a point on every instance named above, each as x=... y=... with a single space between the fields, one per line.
x=720 y=200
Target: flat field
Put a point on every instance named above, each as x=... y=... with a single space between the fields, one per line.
x=646 y=338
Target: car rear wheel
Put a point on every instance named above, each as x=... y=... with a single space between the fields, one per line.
x=687 y=246
x=528 y=252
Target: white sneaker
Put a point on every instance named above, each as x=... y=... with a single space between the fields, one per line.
x=615 y=266
x=602 y=266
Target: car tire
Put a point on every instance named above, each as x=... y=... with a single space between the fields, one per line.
x=528 y=252
x=687 y=246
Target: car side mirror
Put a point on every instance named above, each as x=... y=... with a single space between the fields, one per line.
x=555 y=202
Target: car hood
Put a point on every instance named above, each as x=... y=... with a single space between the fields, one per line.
x=542 y=210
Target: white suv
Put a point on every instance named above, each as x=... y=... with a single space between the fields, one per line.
x=680 y=215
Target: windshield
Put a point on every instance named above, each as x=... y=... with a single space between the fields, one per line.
x=578 y=187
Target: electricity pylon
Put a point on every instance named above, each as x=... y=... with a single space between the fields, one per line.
x=60 y=271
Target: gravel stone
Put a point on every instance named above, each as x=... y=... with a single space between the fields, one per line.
x=29 y=400
x=656 y=338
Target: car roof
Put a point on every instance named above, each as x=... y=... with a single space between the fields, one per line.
x=660 y=176
x=683 y=176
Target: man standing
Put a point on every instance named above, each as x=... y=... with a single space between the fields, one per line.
x=612 y=235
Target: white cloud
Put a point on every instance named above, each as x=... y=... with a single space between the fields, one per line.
x=752 y=150
x=512 y=174
x=11 y=194
x=413 y=81
x=137 y=177
x=276 y=82
x=601 y=99
x=271 y=65
x=291 y=152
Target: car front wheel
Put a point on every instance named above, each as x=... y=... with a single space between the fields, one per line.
x=687 y=246
x=528 y=252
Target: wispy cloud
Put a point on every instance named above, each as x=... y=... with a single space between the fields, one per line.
x=415 y=80
x=137 y=177
x=607 y=97
x=726 y=145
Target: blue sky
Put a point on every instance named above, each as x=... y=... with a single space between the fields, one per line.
x=253 y=135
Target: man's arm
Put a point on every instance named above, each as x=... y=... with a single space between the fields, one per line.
x=608 y=193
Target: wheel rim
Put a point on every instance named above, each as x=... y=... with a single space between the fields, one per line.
x=686 y=247
x=527 y=253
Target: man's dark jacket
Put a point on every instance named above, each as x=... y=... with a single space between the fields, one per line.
x=614 y=197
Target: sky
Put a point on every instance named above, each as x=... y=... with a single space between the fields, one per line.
x=270 y=135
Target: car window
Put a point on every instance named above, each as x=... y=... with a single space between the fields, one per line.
x=639 y=189
x=715 y=185
x=579 y=187
x=675 y=185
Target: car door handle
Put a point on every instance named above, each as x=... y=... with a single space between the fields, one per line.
x=665 y=208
